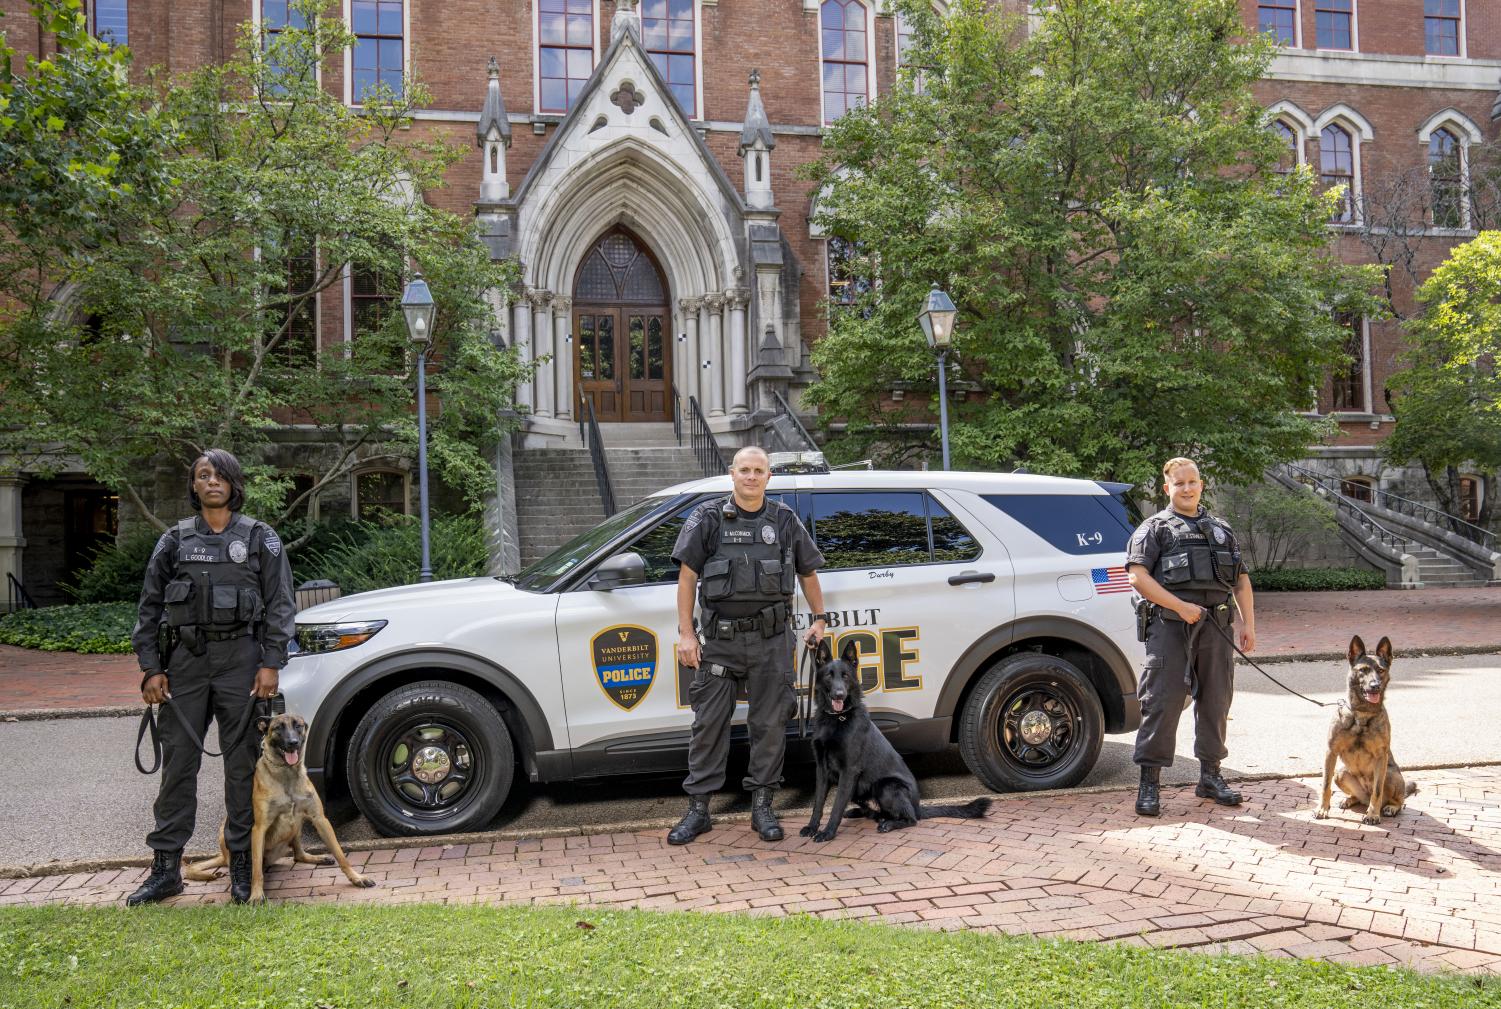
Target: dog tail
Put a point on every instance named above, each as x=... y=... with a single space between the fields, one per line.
x=972 y=810
x=1412 y=788
x=203 y=872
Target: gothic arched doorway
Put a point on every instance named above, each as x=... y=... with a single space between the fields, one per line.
x=623 y=364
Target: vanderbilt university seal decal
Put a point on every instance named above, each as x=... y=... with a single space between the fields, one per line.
x=625 y=663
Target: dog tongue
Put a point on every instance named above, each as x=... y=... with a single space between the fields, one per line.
x=1374 y=696
x=837 y=705
x=292 y=757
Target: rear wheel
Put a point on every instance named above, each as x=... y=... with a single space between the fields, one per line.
x=430 y=758
x=1032 y=722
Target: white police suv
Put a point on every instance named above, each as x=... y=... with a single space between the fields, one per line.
x=990 y=610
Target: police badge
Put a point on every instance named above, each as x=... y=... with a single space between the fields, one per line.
x=1219 y=534
x=237 y=551
x=768 y=535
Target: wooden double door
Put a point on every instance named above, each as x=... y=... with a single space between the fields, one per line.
x=624 y=361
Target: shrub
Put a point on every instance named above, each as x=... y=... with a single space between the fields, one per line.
x=95 y=628
x=1317 y=580
x=327 y=534
x=115 y=571
x=1274 y=523
x=392 y=555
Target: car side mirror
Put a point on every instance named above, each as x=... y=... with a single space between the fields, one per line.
x=623 y=569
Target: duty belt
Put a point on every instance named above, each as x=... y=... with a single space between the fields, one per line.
x=209 y=635
x=769 y=622
x=1220 y=613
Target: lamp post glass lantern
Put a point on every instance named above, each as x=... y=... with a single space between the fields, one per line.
x=937 y=319
x=418 y=307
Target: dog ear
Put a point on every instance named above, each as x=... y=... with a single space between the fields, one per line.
x=262 y=723
x=850 y=652
x=1357 y=649
x=1384 y=651
x=824 y=654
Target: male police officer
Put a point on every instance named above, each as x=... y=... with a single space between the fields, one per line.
x=738 y=554
x=1186 y=565
x=221 y=584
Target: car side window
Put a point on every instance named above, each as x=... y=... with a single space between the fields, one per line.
x=655 y=545
x=951 y=541
x=870 y=529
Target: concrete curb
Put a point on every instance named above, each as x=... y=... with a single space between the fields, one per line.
x=134 y=710
x=629 y=827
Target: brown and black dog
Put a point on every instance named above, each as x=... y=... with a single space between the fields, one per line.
x=1360 y=736
x=282 y=798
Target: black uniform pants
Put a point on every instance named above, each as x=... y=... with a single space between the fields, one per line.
x=213 y=685
x=1185 y=661
x=764 y=667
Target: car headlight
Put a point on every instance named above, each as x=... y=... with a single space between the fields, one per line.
x=313 y=639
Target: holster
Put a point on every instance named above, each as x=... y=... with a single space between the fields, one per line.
x=192 y=637
x=166 y=644
x=768 y=623
x=1145 y=614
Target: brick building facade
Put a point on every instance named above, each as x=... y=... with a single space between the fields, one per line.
x=645 y=178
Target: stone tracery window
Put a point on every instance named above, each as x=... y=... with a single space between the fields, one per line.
x=1337 y=167
x=1446 y=179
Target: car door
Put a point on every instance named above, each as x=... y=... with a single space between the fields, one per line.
x=626 y=698
x=911 y=586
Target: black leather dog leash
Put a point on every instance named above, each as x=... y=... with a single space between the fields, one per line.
x=148 y=724
x=1224 y=634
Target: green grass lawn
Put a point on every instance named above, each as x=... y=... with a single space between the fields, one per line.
x=288 y=956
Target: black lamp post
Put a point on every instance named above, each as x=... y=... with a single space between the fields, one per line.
x=937 y=318
x=417 y=305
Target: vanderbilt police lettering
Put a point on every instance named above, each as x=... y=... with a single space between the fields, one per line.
x=625 y=663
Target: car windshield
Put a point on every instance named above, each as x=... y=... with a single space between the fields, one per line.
x=570 y=555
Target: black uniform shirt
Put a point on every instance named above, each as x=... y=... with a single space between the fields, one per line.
x=1156 y=534
x=277 y=625
x=699 y=538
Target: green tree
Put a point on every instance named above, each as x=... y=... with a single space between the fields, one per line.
x=188 y=320
x=1447 y=397
x=1099 y=195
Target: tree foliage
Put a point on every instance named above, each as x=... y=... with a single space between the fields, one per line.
x=1274 y=524
x=1099 y=196
x=181 y=320
x=1447 y=396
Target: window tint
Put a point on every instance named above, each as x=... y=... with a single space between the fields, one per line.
x=885 y=529
x=1074 y=523
x=655 y=545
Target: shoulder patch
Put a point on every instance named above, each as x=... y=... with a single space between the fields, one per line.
x=272 y=542
x=164 y=542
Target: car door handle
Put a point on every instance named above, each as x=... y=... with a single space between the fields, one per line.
x=966 y=577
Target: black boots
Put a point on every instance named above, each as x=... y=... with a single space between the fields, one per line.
x=165 y=879
x=239 y=877
x=1212 y=786
x=694 y=822
x=1148 y=802
x=763 y=817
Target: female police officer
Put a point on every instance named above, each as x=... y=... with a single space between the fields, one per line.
x=220 y=585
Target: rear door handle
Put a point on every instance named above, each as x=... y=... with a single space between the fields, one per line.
x=965 y=577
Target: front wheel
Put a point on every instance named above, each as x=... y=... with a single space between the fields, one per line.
x=430 y=758
x=1033 y=721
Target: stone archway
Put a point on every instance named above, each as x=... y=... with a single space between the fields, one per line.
x=622 y=325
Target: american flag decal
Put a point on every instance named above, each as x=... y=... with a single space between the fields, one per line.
x=1108 y=580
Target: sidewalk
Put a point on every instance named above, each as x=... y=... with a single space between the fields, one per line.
x=1288 y=625
x=1423 y=889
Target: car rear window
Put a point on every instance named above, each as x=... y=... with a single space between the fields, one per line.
x=1074 y=523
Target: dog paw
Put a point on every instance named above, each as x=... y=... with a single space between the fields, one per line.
x=1352 y=803
x=824 y=835
x=1390 y=810
x=1372 y=819
x=809 y=830
x=327 y=860
x=887 y=826
x=257 y=897
x=364 y=881
x=1322 y=813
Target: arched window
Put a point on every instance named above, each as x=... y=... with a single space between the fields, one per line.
x=565 y=58
x=1446 y=179
x=846 y=76
x=1358 y=488
x=1289 y=136
x=1337 y=168
x=1471 y=496
x=380 y=493
x=667 y=31
x=1348 y=387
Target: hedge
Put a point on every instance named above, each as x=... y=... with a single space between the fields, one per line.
x=392 y=555
x=93 y=628
x=1317 y=580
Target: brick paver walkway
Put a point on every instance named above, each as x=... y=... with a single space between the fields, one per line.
x=31 y=679
x=1423 y=889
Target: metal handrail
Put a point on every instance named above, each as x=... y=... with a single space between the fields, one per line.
x=786 y=408
x=705 y=447
x=1405 y=506
x=589 y=432
x=1343 y=503
x=16 y=596
x=677 y=414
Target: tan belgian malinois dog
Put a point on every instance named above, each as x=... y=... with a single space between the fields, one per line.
x=1360 y=737
x=282 y=798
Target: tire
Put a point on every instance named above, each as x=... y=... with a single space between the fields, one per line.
x=469 y=768
x=1064 y=728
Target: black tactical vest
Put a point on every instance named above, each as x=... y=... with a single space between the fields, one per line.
x=750 y=564
x=1199 y=556
x=217 y=585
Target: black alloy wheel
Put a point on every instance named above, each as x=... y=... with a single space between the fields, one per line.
x=1033 y=722
x=430 y=758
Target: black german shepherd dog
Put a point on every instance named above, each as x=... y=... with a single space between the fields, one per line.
x=854 y=757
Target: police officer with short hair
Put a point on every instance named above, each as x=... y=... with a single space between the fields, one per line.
x=739 y=555
x=220 y=584
x=1186 y=566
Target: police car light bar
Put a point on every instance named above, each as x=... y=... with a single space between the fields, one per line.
x=798 y=462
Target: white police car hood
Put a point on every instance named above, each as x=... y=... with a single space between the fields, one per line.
x=446 y=597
